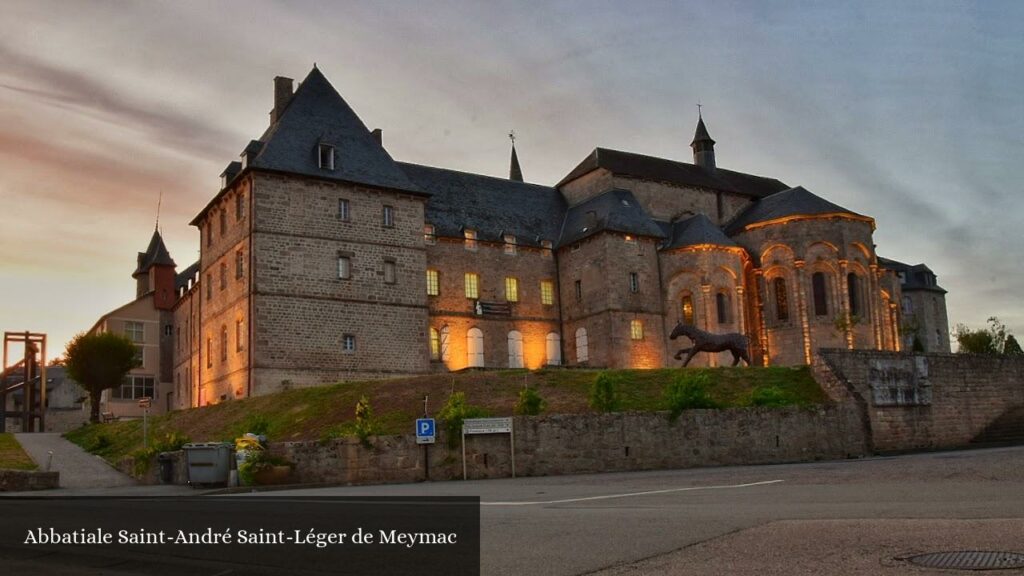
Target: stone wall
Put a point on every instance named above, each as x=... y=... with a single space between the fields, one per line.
x=25 y=480
x=926 y=401
x=574 y=444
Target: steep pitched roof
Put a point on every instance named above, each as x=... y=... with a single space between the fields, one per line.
x=317 y=114
x=156 y=254
x=792 y=202
x=682 y=173
x=695 y=231
x=491 y=206
x=612 y=211
x=701 y=134
x=916 y=277
x=514 y=171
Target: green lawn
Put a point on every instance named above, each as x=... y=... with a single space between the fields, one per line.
x=12 y=456
x=328 y=411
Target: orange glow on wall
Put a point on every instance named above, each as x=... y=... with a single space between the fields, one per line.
x=798 y=217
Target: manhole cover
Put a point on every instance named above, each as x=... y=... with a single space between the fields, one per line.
x=970 y=560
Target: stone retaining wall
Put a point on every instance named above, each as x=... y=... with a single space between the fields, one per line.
x=25 y=480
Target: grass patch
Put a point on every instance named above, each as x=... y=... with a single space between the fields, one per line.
x=12 y=456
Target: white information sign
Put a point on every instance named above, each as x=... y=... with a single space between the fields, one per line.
x=488 y=426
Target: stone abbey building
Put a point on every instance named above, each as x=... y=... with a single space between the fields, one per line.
x=323 y=259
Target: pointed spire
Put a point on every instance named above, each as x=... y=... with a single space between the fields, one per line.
x=514 y=171
x=703 y=146
x=156 y=254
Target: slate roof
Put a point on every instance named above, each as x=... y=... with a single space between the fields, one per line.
x=701 y=134
x=694 y=231
x=613 y=211
x=156 y=254
x=916 y=277
x=791 y=202
x=182 y=278
x=491 y=206
x=682 y=173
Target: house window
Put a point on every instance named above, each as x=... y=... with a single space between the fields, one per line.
x=134 y=387
x=223 y=342
x=553 y=346
x=510 y=244
x=686 y=308
x=546 y=249
x=140 y=357
x=630 y=239
x=547 y=292
x=475 y=348
x=435 y=344
x=239 y=206
x=239 y=264
x=470 y=236
x=579 y=291
x=433 y=283
x=781 y=299
x=853 y=286
x=636 y=330
x=209 y=352
x=582 y=346
x=429 y=236
x=223 y=222
x=168 y=330
x=344 y=267
x=472 y=285
x=819 y=287
x=511 y=289
x=325 y=156
x=238 y=335
x=389 y=271
x=389 y=216
x=515 y=349
x=135 y=331
x=445 y=332
x=344 y=210
x=908 y=305
x=348 y=343
x=722 y=307
x=223 y=275
x=634 y=282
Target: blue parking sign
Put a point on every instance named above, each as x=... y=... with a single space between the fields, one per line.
x=425 y=431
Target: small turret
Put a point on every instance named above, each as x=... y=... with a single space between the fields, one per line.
x=515 y=173
x=703 y=146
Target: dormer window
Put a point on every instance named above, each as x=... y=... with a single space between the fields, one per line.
x=429 y=236
x=510 y=244
x=470 y=236
x=325 y=155
x=630 y=239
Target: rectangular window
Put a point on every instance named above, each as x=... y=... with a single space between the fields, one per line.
x=209 y=352
x=433 y=283
x=223 y=275
x=325 y=156
x=239 y=206
x=547 y=292
x=238 y=335
x=135 y=331
x=389 y=271
x=389 y=216
x=140 y=357
x=510 y=244
x=472 y=285
x=223 y=343
x=634 y=282
x=239 y=264
x=429 y=236
x=636 y=330
x=344 y=210
x=511 y=289
x=470 y=236
x=579 y=291
x=348 y=343
x=223 y=222
x=630 y=239
x=344 y=267
x=546 y=249
x=134 y=387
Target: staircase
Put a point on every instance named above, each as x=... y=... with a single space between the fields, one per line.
x=1007 y=430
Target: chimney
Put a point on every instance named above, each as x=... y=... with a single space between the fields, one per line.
x=283 y=92
x=378 y=136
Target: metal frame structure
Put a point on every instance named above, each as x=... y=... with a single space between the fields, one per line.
x=33 y=409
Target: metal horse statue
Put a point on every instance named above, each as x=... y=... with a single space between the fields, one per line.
x=707 y=342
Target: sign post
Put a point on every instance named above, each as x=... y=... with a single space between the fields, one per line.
x=426 y=433
x=488 y=426
x=144 y=403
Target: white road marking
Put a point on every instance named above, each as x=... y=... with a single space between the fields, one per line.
x=629 y=494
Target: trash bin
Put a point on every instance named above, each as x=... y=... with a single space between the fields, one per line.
x=209 y=462
x=166 y=461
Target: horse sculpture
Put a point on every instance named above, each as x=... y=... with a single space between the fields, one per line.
x=707 y=342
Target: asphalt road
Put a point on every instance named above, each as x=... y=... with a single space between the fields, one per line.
x=847 y=517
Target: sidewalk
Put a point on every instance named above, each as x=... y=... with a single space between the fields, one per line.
x=78 y=469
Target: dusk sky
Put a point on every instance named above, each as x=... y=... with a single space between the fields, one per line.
x=908 y=112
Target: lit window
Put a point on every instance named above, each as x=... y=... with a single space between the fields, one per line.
x=433 y=284
x=511 y=289
x=209 y=352
x=472 y=285
x=579 y=291
x=239 y=264
x=429 y=237
x=135 y=331
x=344 y=267
x=547 y=292
x=389 y=272
x=238 y=335
x=389 y=216
x=634 y=282
x=546 y=249
x=686 y=307
x=348 y=343
x=630 y=239
x=510 y=244
x=435 y=344
x=325 y=156
x=223 y=342
x=239 y=206
x=344 y=210
x=636 y=330
x=470 y=236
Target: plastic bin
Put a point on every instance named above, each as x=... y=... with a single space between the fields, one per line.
x=166 y=461
x=209 y=462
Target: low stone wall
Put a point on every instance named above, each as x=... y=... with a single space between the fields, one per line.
x=924 y=401
x=26 y=480
x=582 y=443
x=150 y=474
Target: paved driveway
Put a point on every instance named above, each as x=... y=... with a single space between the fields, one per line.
x=78 y=469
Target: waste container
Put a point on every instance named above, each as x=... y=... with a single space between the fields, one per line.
x=209 y=462
x=166 y=461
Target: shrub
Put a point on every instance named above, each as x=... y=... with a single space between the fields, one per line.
x=689 y=391
x=771 y=396
x=257 y=424
x=365 y=425
x=530 y=403
x=456 y=410
x=172 y=441
x=256 y=462
x=603 y=396
x=101 y=442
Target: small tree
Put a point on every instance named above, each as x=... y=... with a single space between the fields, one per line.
x=1011 y=347
x=603 y=397
x=99 y=362
x=991 y=340
x=530 y=402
